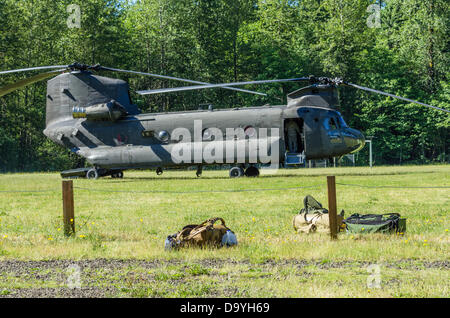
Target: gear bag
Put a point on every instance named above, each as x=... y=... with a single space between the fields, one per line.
x=207 y=233
x=313 y=217
x=375 y=223
x=312 y=206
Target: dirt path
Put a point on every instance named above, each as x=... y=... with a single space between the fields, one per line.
x=104 y=278
x=21 y=267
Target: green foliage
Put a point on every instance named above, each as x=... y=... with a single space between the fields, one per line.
x=221 y=41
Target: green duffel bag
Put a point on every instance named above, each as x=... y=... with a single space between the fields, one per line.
x=375 y=223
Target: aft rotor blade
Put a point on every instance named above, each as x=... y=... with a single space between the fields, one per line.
x=395 y=96
x=225 y=85
x=25 y=82
x=38 y=68
x=176 y=79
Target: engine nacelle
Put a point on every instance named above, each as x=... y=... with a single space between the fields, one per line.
x=111 y=111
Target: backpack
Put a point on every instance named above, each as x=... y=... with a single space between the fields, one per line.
x=375 y=223
x=207 y=233
x=313 y=217
x=311 y=205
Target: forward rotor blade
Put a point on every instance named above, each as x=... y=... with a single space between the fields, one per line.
x=394 y=96
x=34 y=69
x=25 y=82
x=225 y=85
x=177 y=79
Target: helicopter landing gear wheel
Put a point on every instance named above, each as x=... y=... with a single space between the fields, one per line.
x=92 y=174
x=252 y=171
x=199 y=171
x=159 y=171
x=236 y=172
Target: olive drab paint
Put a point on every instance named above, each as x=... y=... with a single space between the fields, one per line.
x=95 y=118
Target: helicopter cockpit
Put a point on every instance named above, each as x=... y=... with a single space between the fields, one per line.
x=339 y=133
x=334 y=122
x=319 y=132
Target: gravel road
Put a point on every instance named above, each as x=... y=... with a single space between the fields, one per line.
x=103 y=277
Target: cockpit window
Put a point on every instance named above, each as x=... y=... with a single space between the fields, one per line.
x=330 y=124
x=333 y=125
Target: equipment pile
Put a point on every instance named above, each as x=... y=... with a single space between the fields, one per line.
x=206 y=234
x=313 y=217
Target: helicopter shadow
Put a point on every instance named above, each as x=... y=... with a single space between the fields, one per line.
x=174 y=178
x=130 y=179
x=269 y=176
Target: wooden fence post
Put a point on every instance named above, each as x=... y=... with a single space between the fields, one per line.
x=332 y=209
x=68 y=208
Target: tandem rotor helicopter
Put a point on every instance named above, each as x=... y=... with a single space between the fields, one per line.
x=94 y=117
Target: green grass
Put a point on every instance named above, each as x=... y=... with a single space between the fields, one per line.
x=122 y=225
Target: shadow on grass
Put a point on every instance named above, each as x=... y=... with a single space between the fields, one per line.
x=129 y=179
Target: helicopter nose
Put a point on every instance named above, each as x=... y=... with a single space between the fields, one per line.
x=354 y=140
x=361 y=140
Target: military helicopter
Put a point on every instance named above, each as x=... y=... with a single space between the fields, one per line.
x=94 y=117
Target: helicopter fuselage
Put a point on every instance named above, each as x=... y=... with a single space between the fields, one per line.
x=94 y=117
x=147 y=140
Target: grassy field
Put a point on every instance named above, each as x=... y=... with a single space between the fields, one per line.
x=122 y=224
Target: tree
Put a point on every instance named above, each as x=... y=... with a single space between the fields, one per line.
x=222 y=41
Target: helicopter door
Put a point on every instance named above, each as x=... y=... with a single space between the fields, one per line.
x=312 y=137
x=293 y=135
x=294 y=141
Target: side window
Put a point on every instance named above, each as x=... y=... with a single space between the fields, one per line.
x=207 y=134
x=333 y=125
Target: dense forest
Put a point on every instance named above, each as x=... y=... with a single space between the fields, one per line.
x=399 y=46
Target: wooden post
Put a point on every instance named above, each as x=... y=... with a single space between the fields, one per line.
x=332 y=209
x=68 y=208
